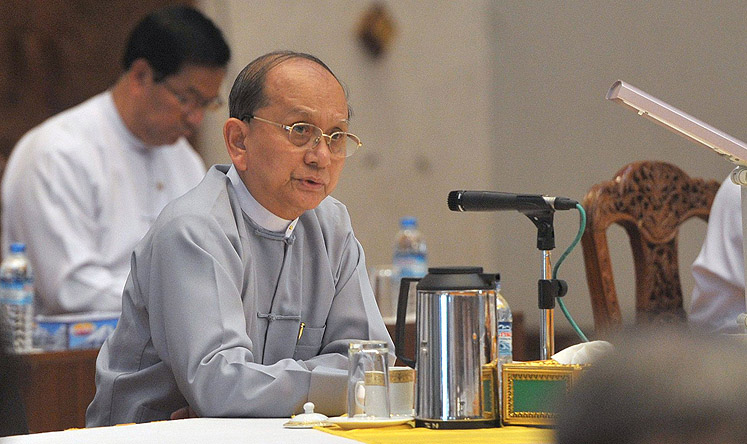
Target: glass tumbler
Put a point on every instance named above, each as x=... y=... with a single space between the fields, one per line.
x=368 y=379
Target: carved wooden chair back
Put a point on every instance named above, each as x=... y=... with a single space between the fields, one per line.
x=650 y=200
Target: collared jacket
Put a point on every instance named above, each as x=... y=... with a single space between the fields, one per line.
x=213 y=309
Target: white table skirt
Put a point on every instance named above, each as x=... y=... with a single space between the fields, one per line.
x=186 y=431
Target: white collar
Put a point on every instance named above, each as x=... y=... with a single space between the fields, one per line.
x=259 y=214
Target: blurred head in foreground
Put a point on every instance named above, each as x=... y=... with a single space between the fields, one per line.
x=661 y=387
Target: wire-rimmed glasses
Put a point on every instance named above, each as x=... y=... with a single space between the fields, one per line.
x=193 y=101
x=307 y=135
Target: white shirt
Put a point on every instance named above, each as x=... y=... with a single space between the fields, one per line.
x=718 y=297
x=81 y=190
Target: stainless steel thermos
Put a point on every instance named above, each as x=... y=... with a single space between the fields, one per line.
x=456 y=336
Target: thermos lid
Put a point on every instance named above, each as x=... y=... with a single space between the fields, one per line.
x=457 y=278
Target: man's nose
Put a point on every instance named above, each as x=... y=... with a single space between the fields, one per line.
x=195 y=116
x=320 y=155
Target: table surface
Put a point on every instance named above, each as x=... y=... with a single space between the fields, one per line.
x=58 y=386
x=185 y=431
x=206 y=430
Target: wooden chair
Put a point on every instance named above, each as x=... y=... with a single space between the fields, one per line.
x=650 y=200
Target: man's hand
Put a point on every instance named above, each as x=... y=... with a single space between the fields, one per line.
x=184 y=413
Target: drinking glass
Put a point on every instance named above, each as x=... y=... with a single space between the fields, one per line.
x=382 y=282
x=368 y=379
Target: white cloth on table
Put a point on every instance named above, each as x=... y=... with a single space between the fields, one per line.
x=186 y=431
x=583 y=353
x=80 y=190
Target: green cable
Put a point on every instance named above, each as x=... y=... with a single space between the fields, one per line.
x=581 y=228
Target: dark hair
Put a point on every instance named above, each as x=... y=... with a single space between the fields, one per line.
x=247 y=93
x=172 y=37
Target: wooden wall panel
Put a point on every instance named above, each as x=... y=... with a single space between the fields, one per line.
x=56 y=53
x=57 y=387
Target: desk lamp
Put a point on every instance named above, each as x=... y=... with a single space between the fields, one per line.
x=691 y=128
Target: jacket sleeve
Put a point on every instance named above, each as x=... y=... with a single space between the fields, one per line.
x=354 y=314
x=54 y=211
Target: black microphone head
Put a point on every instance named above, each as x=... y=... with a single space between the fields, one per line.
x=453 y=200
x=564 y=203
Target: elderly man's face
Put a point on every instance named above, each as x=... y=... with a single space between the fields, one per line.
x=286 y=179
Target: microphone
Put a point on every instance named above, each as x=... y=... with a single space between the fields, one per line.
x=462 y=200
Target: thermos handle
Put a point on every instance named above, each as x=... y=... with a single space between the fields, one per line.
x=399 y=332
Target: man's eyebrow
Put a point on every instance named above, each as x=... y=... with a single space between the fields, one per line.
x=194 y=91
x=302 y=111
x=308 y=115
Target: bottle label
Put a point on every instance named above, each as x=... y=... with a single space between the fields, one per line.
x=411 y=265
x=16 y=291
x=16 y=306
x=505 y=347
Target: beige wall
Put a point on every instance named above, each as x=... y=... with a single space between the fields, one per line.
x=507 y=96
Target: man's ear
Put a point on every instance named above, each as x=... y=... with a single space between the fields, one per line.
x=140 y=72
x=235 y=133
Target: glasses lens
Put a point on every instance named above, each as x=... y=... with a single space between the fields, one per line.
x=181 y=98
x=301 y=133
x=338 y=143
x=214 y=104
x=344 y=144
x=190 y=102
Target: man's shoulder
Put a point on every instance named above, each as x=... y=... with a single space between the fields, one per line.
x=331 y=209
x=205 y=213
x=208 y=200
x=69 y=130
x=78 y=117
x=66 y=141
x=330 y=216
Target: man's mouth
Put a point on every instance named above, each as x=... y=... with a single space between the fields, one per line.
x=311 y=182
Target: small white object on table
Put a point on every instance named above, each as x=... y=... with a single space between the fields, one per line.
x=583 y=353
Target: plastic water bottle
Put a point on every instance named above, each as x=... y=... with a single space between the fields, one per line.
x=505 y=328
x=17 y=297
x=505 y=338
x=410 y=255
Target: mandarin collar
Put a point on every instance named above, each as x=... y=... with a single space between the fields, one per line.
x=259 y=214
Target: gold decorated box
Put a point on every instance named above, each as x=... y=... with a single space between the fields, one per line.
x=532 y=390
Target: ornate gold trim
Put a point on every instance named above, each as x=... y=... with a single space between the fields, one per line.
x=534 y=371
x=401 y=375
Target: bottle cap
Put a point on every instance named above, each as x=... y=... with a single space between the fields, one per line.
x=17 y=247
x=408 y=222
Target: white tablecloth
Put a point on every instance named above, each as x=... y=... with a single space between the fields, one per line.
x=186 y=431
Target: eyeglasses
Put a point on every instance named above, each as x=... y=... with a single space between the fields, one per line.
x=341 y=143
x=193 y=101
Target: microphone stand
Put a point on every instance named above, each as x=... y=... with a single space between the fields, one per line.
x=547 y=288
x=540 y=211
